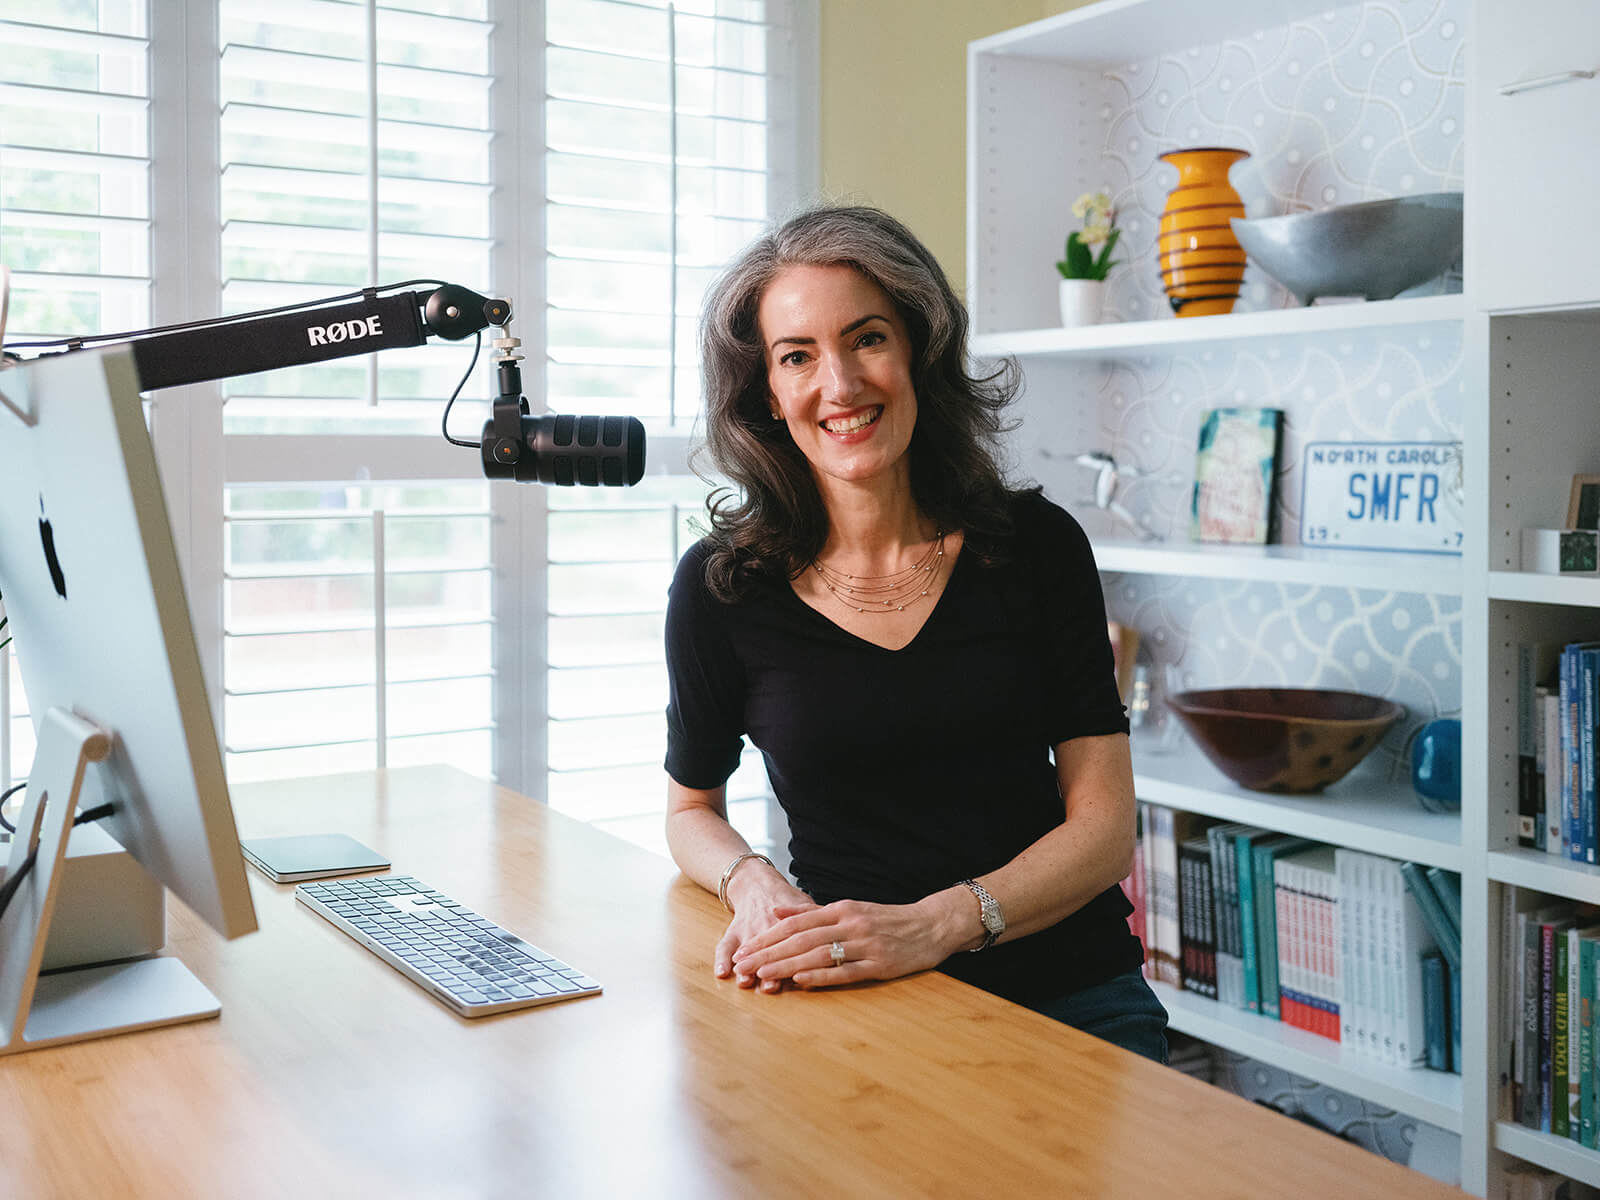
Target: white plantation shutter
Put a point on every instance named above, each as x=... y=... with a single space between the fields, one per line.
x=361 y=593
x=357 y=614
x=662 y=160
x=74 y=202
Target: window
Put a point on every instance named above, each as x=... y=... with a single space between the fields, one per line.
x=362 y=595
x=74 y=202
x=661 y=162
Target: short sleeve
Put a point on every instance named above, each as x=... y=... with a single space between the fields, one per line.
x=705 y=681
x=1080 y=692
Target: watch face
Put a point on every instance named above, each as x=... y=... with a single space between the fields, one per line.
x=992 y=920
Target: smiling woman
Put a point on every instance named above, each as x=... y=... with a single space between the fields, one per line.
x=907 y=640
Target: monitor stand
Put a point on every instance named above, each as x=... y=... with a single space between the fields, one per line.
x=71 y=1006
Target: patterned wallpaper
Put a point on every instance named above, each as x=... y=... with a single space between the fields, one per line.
x=1358 y=104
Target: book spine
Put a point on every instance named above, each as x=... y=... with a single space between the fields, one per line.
x=1376 y=942
x=1414 y=939
x=1433 y=1004
x=1510 y=1005
x=1247 y=924
x=1559 y=1098
x=1186 y=905
x=1574 y=1036
x=1288 y=1006
x=1547 y=1022
x=1332 y=956
x=1572 y=740
x=1528 y=803
x=1139 y=884
x=1528 y=1113
x=1168 y=947
x=1554 y=775
x=1587 y=660
x=1350 y=1029
x=1234 y=964
x=1266 y=932
x=1219 y=916
x=1586 y=1032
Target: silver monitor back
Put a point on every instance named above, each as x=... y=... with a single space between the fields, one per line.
x=89 y=578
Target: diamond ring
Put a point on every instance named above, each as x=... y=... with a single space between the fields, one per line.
x=836 y=952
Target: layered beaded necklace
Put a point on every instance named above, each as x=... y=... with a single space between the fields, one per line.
x=890 y=593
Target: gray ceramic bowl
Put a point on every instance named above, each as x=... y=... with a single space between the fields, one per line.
x=1376 y=250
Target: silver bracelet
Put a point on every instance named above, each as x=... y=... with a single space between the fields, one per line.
x=722 y=887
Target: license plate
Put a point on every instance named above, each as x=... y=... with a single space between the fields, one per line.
x=1382 y=496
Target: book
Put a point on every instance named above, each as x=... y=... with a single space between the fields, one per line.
x=1244 y=843
x=1265 y=855
x=1447 y=887
x=1225 y=891
x=1198 y=973
x=1435 y=1022
x=1409 y=940
x=1588 y=681
x=1554 y=775
x=1536 y=664
x=1307 y=974
x=1168 y=829
x=1353 y=1017
x=1236 y=475
x=1560 y=1058
x=1548 y=989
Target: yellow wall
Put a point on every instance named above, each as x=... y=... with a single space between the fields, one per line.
x=893 y=100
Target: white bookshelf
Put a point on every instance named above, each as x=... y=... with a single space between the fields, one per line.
x=1548 y=1151
x=1432 y=1096
x=1364 y=810
x=1042 y=127
x=1315 y=566
x=1128 y=339
x=1525 y=586
x=1543 y=872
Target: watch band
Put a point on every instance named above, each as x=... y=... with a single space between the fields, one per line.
x=994 y=921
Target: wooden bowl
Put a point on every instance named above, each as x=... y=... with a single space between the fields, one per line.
x=1273 y=739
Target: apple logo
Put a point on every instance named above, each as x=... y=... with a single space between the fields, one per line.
x=48 y=537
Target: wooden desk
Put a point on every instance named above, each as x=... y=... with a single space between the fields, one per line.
x=328 y=1073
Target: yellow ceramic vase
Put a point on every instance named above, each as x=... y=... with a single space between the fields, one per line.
x=1202 y=264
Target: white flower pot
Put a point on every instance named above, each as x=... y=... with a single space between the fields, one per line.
x=1082 y=301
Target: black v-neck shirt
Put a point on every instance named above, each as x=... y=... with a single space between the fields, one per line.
x=905 y=771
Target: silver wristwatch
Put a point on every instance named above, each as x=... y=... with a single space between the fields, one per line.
x=994 y=921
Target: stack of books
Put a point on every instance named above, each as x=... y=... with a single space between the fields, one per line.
x=1548 y=1006
x=1357 y=948
x=1558 y=708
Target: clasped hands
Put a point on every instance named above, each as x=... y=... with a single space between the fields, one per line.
x=769 y=943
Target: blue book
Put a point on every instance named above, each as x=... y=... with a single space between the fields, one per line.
x=1589 y=680
x=1435 y=1021
x=1444 y=934
x=1447 y=886
x=1266 y=908
x=1248 y=950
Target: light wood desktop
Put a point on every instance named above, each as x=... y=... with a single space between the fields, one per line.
x=329 y=1073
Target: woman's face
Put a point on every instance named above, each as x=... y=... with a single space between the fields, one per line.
x=839 y=372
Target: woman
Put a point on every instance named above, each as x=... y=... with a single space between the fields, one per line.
x=907 y=641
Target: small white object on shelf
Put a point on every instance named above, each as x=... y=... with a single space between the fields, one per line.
x=1559 y=551
x=1082 y=302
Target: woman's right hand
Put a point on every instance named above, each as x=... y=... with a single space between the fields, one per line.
x=761 y=898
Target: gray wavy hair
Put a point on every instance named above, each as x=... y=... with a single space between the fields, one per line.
x=773 y=519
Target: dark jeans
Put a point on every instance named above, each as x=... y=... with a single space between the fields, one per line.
x=1123 y=1011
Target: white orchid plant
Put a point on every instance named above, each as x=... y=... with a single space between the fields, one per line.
x=1099 y=229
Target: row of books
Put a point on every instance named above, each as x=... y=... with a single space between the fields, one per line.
x=1550 y=980
x=1558 y=710
x=1357 y=948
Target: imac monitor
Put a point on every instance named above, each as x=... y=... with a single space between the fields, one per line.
x=89 y=579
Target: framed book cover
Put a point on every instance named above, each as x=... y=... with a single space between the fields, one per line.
x=1236 y=476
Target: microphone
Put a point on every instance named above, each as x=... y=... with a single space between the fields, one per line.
x=564 y=450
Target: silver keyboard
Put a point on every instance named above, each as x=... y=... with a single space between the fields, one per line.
x=466 y=961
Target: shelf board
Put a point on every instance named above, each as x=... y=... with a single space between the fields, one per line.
x=1546 y=1150
x=1389 y=571
x=1121 y=31
x=1545 y=589
x=1539 y=871
x=1432 y=1096
x=1131 y=339
x=1361 y=811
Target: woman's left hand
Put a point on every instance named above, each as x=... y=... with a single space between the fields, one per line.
x=881 y=941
